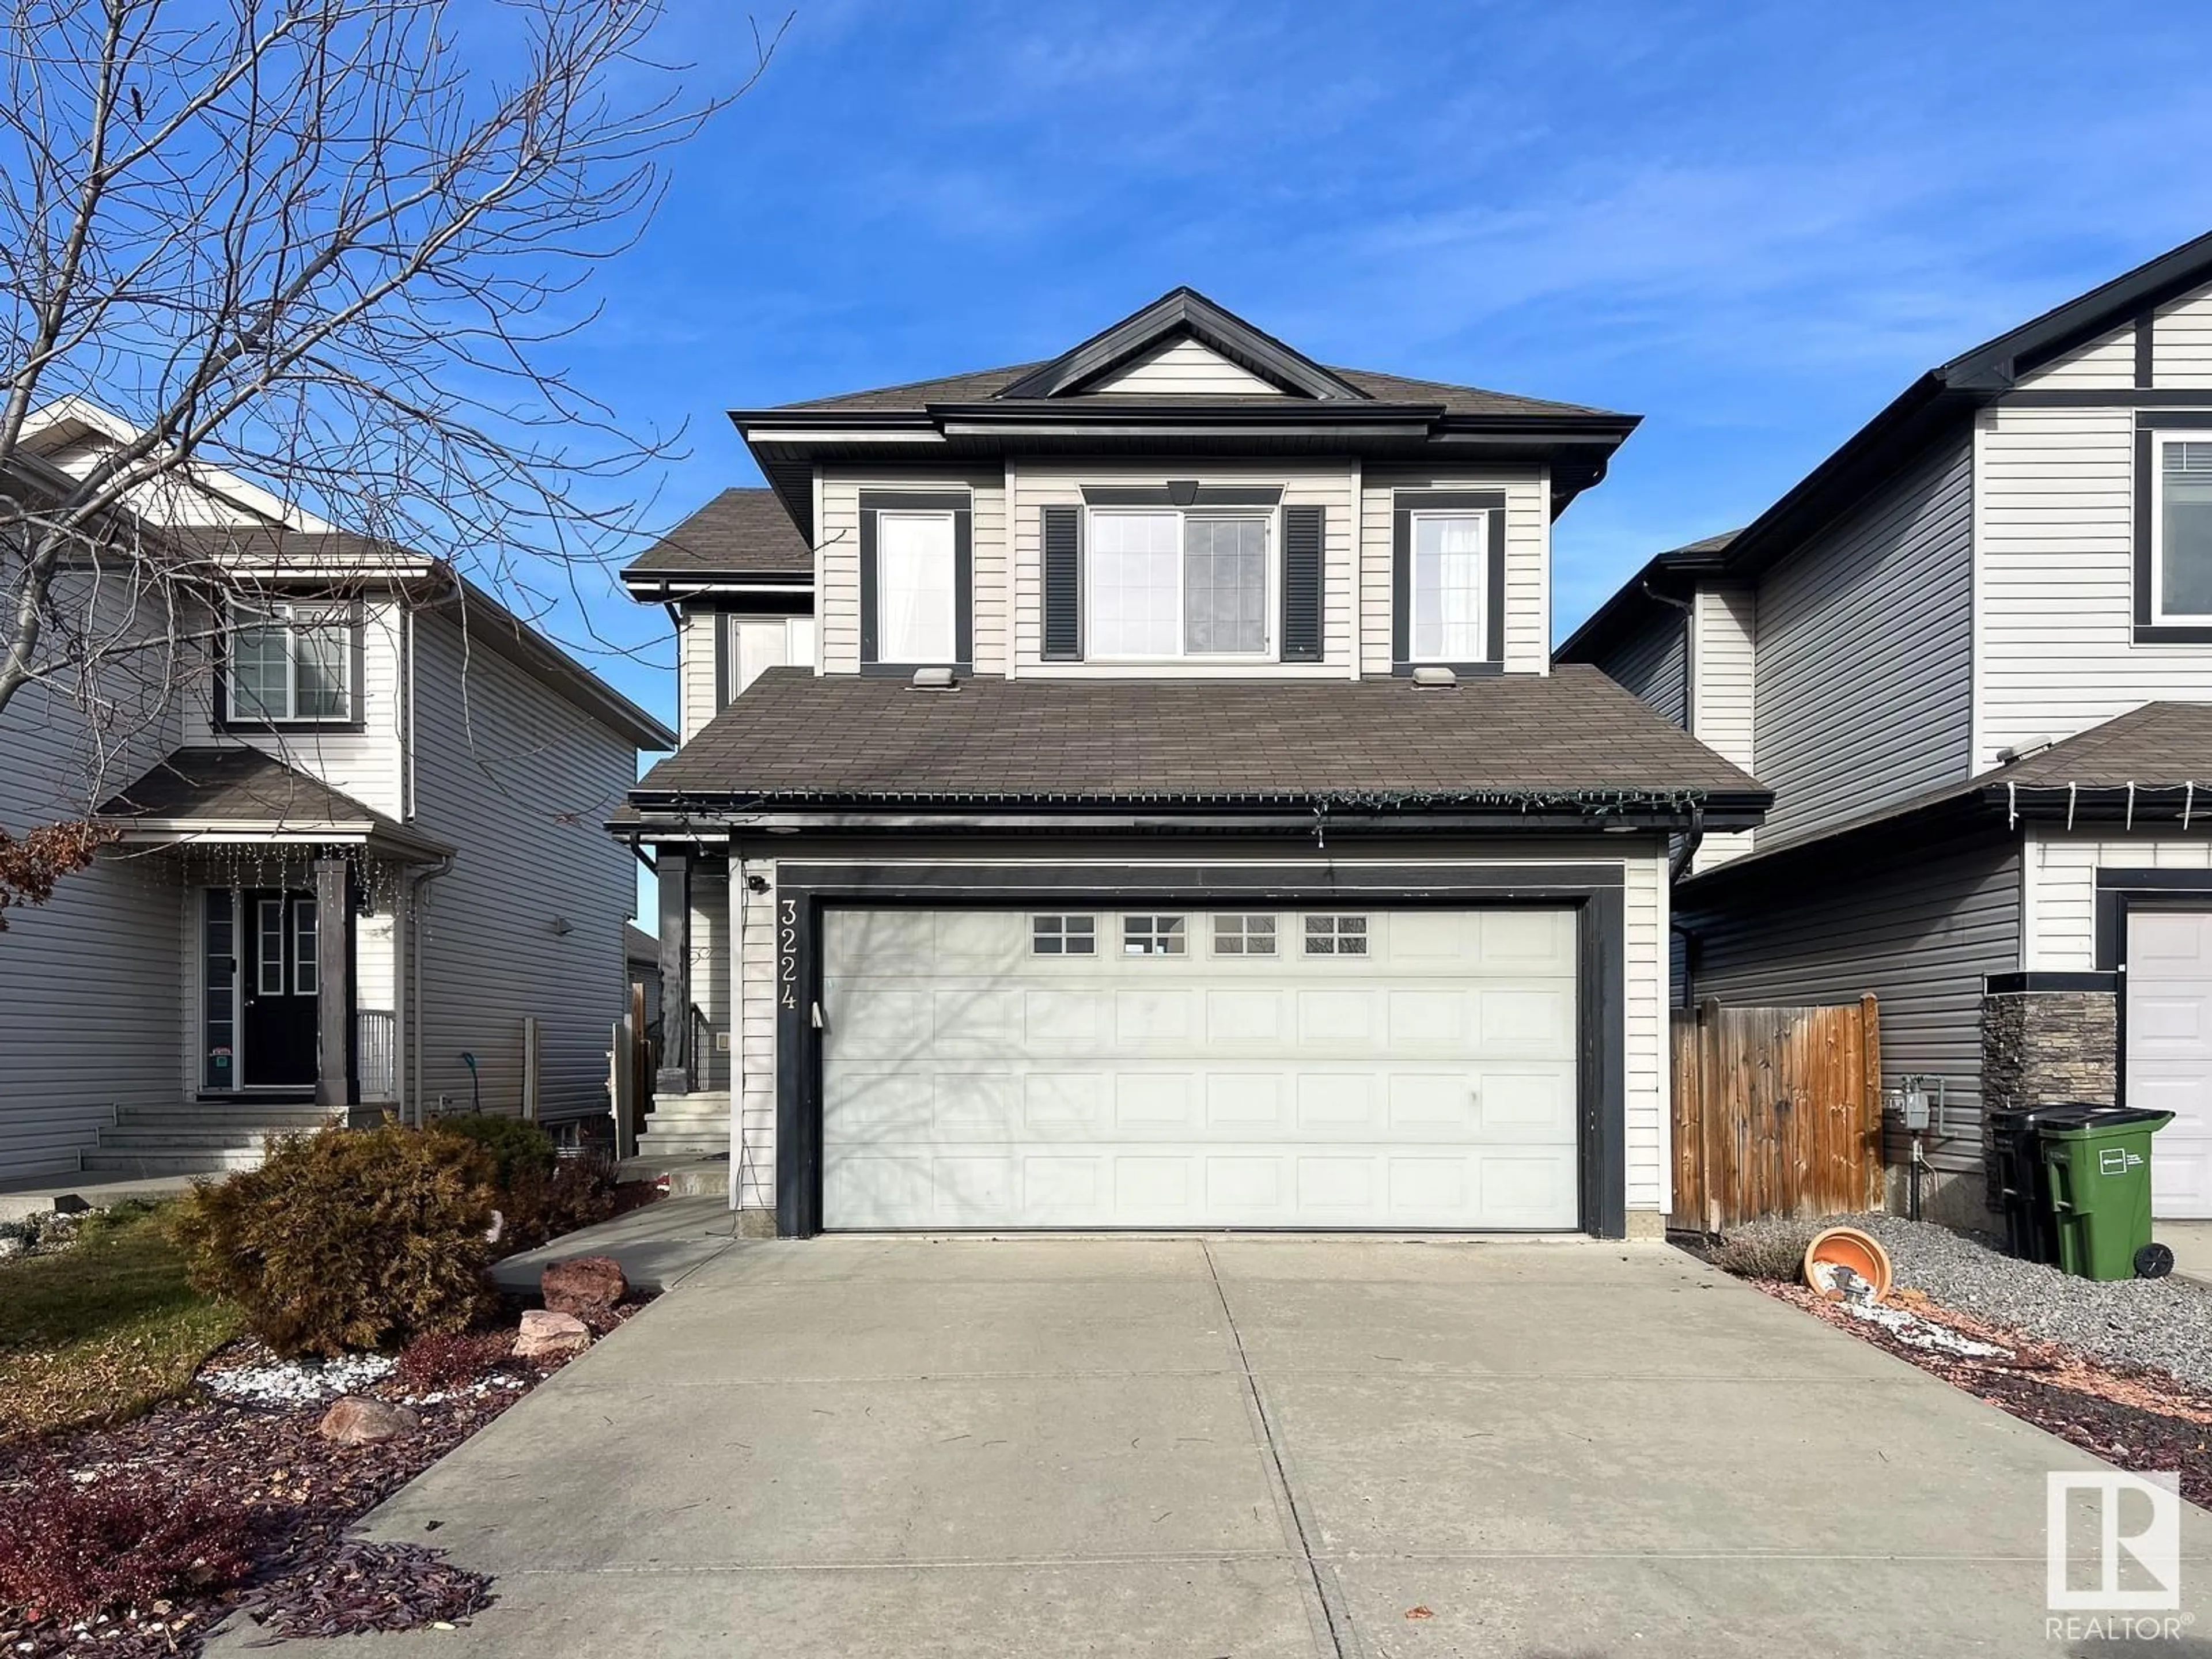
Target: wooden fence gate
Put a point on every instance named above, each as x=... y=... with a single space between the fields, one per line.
x=1777 y=1111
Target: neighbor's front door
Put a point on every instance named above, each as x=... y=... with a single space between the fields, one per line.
x=279 y=983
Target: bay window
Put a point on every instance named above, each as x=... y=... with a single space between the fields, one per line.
x=291 y=662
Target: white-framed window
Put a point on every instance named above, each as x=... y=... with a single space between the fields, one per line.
x=307 y=965
x=1336 y=936
x=291 y=662
x=1154 y=936
x=760 y=643
x=1168 y=582
x=1240 y=935
x=269 y=947
x=917 y=589
x=1450 y=562
x=1063 y=936
x=2181 y=531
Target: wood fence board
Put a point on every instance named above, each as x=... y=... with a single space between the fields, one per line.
x=1776 y=1111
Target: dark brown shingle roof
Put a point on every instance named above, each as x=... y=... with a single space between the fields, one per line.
x=847 y=738
x=983 y=384
x=740 y=533
x=248 y=787
x=2166 y=745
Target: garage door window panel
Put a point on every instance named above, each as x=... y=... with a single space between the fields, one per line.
x=1243 y=935
x=1153 y=935
x=1064 y=936
x=1336 y=936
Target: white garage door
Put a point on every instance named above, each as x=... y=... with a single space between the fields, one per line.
x=1095 y=1067
x=2170 y=1051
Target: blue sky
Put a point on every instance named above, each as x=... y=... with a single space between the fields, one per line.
x=1751 y=225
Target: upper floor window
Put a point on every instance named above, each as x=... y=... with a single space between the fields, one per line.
x=291 y=662
x=1447 y=579
x=1170 y=583
x=916 y=579
x=2181 y=559
x=1450 y=550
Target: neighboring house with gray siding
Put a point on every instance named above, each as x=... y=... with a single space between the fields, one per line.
x=1972 y=655
x=356 y=864
x=1173 y=817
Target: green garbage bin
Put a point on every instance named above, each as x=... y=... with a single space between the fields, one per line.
x=2098 y=1168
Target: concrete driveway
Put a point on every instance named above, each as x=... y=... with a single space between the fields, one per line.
x=1248 y=1447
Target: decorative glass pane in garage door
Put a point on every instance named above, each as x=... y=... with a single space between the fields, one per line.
x=1425 y=1080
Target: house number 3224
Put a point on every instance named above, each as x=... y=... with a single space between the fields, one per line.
x=786 y=953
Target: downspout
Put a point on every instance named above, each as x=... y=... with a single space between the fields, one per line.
x=421 y=880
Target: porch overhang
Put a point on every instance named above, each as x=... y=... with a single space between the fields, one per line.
x=245 y=797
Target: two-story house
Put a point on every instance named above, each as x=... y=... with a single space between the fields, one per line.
x=1971 y=654
x=357 y=862
x=1180 y=821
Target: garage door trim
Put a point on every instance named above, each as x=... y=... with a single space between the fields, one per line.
x=1596 y=892
x=2119 y=892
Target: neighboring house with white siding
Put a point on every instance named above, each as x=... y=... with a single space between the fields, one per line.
x=357 y=864
x=1971 y=654
x=1172 y=818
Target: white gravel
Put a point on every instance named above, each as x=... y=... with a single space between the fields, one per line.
x=2162 y=1322
x=298 y=1382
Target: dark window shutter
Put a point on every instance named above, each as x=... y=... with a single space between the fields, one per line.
x=1063 y=584
x=1301 y=579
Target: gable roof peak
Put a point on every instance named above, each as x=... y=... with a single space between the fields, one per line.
x=1183 y=313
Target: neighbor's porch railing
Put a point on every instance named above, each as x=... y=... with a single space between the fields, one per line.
x=375 y=1054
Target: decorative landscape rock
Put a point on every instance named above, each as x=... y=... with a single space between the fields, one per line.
x=354 y=1421
x=582 y=1283
x=547 y=1331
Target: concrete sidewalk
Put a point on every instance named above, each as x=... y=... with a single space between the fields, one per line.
x=659 y=1244
x=1265 y=1448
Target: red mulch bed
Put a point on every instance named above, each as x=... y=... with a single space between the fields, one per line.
x=303 y=1493
x=2135 y=1417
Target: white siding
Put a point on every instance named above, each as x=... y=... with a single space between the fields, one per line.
x=2105 y=363
x=1033 y=486
x=2181 y=342
x=369 y=764
x=1724 y=677
x=695 y=670
x=1185 y=368
x=520 y=782
x=90 y=1017
x=2056 y=581
x=2059 y=887
x=837 y=562
x=1644 y=867
x=1863 y=670
x=752 y=1171
x=1528 y=564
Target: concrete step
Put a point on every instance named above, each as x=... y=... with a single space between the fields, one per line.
x=147 y=1164
x=668 y=1146
x=132 y=1138
x=271 y=1119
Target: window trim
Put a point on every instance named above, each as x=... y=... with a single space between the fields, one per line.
x=1270 y=516
x=224 y=717
x=1180 y=935
x=1336 y=935
x=2151 y=618
x=1244 y=919
x=2153 y=429
x=1405 y=505
x=1038 y=918
x=960 y=503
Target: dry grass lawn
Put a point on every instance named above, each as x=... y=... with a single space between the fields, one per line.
x=101 y=1332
